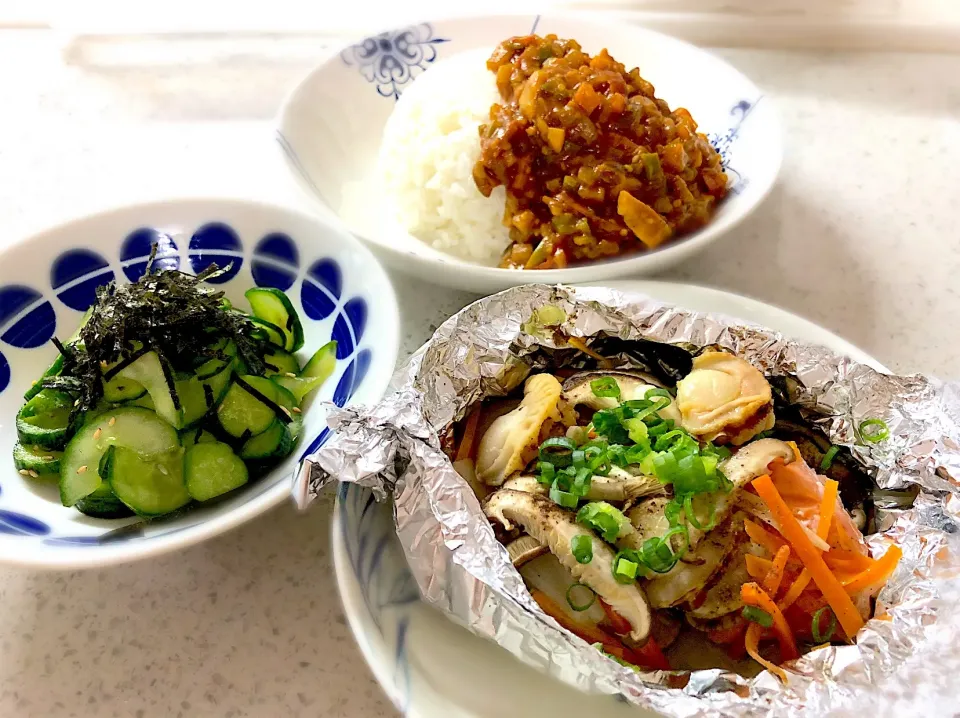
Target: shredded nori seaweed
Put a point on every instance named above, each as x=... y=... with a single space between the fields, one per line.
x=170 y=312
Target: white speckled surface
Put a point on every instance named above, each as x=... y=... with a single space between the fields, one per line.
x=858 y=236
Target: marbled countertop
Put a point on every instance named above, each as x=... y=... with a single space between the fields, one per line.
x=859 y=236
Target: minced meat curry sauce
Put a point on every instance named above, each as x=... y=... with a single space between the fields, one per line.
x=593 y=163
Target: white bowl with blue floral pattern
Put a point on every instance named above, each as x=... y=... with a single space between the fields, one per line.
x=49 y=280
x=329 y=132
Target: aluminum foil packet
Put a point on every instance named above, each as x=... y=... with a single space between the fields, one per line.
x=903 y=663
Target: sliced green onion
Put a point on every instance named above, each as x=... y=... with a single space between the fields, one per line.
x=660 y=428
x=636 y=454
x=603 y=518
x=637 y=431
x=827 y=461
x=582 y=548
x=565 y=498
x=581 y=482
x=606 y=422
x=824 y=637
x=579 y=458
x=587 y=599
x=658 y=556
x=752 y=613
x=547 y=472
x=657 y=391
x=874 y=430
x=557 y=450
x=605 y=387
x=617 y=455
x=692 y=515
x=625 y=570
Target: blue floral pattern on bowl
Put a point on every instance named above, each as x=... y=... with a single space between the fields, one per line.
x=393 y=59
x=28 y=319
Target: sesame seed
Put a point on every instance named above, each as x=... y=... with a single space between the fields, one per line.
x=48 y=457
x=24 y=472
x=285 y=410
x=34 y=474
x=291 y=375
x=82 y=469
x=96 y=434
x=113 y=420
x=296 y=410
x=163 y=469
x=76 y=403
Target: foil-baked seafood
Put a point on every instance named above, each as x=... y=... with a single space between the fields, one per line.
x=759 y=494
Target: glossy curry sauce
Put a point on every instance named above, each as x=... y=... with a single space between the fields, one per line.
x=594 y=164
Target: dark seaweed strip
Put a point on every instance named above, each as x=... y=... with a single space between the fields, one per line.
x=168 y=378
x=124 y=363
x=208 y=396
x=277 y=409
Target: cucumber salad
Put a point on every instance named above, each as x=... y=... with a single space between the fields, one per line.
x=168 y=395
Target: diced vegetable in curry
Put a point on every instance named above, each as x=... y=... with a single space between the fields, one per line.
x=594 y=164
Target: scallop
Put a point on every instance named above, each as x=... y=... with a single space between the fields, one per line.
x=724 y=399
x=512 y=440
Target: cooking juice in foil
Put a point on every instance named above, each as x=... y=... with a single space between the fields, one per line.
x=890 y=445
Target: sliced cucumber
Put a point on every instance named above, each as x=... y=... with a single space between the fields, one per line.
x=241 y=412
x=45 y=419
x=281 y=362
x=150 y=484
x=103 y=504
x=322 y=363
x=212 y=469
x=271 y=332
x=130 y=427
x=148 y=371
x=121 y=389
x=144 y=402
x=36 y=460
x=274 y=442
x=274 y=306
x=295 y=426
x=195 y=401
x=57 y=365
x=189 y=437
x=315 y=373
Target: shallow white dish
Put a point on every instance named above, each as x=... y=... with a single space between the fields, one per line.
x=432 y=668
x=329 y=131
x=48 y=280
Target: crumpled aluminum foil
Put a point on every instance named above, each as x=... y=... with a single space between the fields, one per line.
x=904 y=664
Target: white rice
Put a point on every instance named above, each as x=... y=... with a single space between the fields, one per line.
x=430 y=145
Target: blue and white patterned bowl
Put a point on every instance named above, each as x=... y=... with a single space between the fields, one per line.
x=329 y=131
x=49 y=280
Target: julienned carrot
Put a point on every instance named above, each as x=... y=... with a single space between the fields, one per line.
x=752 y=595
x=651 y=656
x=828 y=584
x=752 y=643
x=879 y=571
x=621 y=626
x=762 y=537
x=840 y=558
x=828 y=507
x=465 y=450
x=771 y=582
x=796 y=588
x=758 y=567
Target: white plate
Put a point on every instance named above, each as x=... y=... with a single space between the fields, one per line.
x=48 y=280
x=432 y=668
x=330 y=127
